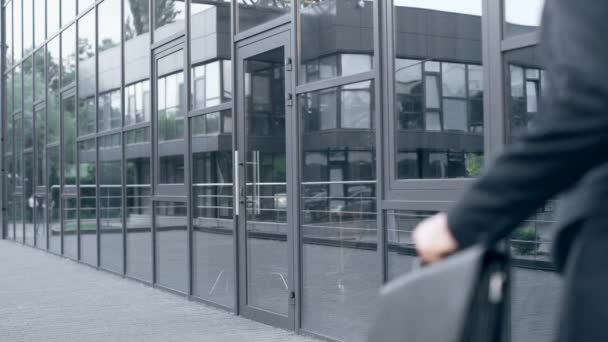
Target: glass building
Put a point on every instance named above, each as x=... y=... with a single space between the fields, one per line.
x=269 y=157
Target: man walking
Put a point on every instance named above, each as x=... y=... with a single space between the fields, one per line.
x=566 y=150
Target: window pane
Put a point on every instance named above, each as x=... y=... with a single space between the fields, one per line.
x=171 y=245
x=109 y=111
x=429 y=36
x=137 y=40
x=28 y=192
x=69 y=224
x=453 y=84
x=213 y=240
x=524 y=83
x=432 y=92
x=532 y=96
x=87 y=181
x=85 y=4
x=69 y=141
x=52 y=74
x=17 y=89
x=455 y=115
x=86 y=74
x=8 y=29
x=53 y=15
x=138 y=151
x=110 y=202
x=169 y=18
x=522 y=16
x=254 y=13
x=17 y=30
x=356 y=109
x=53 y=158
x=40 y=145
x=408 y=93
x=340 y=276
x=432 y=121
x=28 y=100
x=399 y=227
x=208 y=88
x=68 y=11
x=325 y=37
x=171 y=120
x=137 y=102
x=39 y=79
x=68 y=55
x=108 y=44
x=28 y=25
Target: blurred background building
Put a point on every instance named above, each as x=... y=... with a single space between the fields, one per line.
x=269 y=157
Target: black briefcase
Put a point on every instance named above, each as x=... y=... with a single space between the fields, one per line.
x=460 y=299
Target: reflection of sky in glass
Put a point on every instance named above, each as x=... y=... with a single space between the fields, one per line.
x=524 y=12
x=472 y=7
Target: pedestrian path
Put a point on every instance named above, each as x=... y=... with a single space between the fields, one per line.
x=51 y=299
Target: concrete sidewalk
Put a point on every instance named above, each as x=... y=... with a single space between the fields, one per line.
x=47 y=298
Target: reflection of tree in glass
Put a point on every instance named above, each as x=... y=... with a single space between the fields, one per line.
x=137 y=22
x=85 y=49
x=165 y=12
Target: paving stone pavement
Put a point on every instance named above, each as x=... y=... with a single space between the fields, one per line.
x=47 y=298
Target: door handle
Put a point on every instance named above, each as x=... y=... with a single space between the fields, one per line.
x=237 y=191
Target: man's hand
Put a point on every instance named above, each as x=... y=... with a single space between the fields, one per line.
x=433 y=238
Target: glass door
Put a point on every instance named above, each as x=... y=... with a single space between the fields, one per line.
x=266 y=290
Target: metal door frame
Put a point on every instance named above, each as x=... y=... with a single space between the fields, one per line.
x=270 y=40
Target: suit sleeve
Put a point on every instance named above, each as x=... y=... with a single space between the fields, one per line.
x=569 y=138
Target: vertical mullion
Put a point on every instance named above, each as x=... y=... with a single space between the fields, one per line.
x=188 y=143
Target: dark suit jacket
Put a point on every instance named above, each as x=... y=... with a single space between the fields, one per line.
x=566 y=150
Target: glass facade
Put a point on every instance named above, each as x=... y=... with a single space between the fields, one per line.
x=268 y=157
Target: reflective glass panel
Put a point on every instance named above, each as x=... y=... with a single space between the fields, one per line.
x=212 y=204
x=137 y=40
x=525 y=86
x=86 y=74
x=109 y=63
x=39 y=75
x=336 y=38
x=253 y=13
x=28 y=197
x=8 y=38
x=211 y=84
x=110 y=203
x=68 y=11
x=68 y=55
x=40 y=229
x=170 y=116
x=28 y=100
x=53 y=165
x=88 y=201
x=109 y=114
x=17 y=89
x=171 y=245
x=85 y=4
x=338 y=215
x=438 y=104
x=400 y=246
x=69 y=224
x=137 y=102
x=53 y=84
x=53 y=16
x=28 y=26
x=138 y=152
x=210 y=53
x=69 y=140
x=39 y=116
x=17 y=30
x=522 y=16
x=169 y=18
